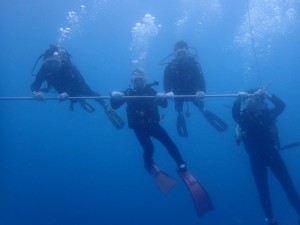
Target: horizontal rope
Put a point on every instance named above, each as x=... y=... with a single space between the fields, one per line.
x=109 y=97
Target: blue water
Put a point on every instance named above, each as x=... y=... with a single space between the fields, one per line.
x=60 y=167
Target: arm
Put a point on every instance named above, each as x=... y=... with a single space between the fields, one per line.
x=39 y=79
x=279 y=105
x=83 y=87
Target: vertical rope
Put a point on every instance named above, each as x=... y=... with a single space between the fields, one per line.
x=252 y=42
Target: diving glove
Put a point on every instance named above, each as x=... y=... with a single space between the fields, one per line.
x=38 y=95
x=63 y=97
x=170 y=95
x=117 y=95
x=200 y=95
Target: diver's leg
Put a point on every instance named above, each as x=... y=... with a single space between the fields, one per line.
x=160 y=134
x=85 y=90
x=113 y=117
x=259 y=171
x=164 y=181
x=279 y=169
x=179 y=105
x=144 y=139
x=180 y=123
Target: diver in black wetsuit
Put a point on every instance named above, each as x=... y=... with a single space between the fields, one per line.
x=183 y=76
x=143 y=117
x=259 y=133
x=59 y=73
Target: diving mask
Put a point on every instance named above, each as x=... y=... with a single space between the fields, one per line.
x=138 y=79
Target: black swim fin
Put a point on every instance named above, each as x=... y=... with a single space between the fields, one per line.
x=215 y=121
x=114 y=117
x=164 y=181
x=291 y=145
x=86 y=106
x=181 y=126
x=199 y=195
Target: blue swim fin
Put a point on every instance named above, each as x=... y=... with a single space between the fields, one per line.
x=199 y=195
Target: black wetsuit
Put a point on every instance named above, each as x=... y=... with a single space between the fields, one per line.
x=261 y=140
x=143 y=117
x=184 y=76
x=67 y=79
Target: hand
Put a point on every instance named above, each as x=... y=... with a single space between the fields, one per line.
x=117 y=94
x=242 y=95
x=38 y=96
x=63 y=97
x=261 y=93
x=161 y=95
x=170 y=95
x=200 y=95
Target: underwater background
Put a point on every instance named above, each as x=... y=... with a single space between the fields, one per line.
x=60 y=167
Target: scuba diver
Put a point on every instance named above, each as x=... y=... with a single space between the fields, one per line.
x=58 y=72
x=258 y=131
x=183 y=76
x=143 y=117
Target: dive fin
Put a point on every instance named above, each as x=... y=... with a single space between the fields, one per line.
x=181 y=126
x=291 y=145
x=199 y=195
x=86 y=106
x=215 y=121
x=164 y=181
x=114 y=117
